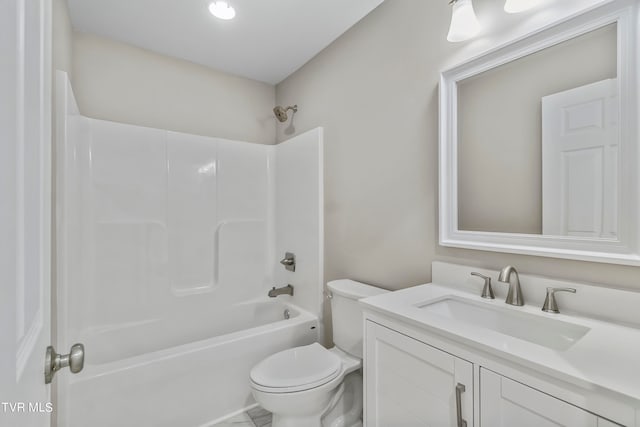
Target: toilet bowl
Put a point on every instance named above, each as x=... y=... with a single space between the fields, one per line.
x=299 y=386
x=311 y=386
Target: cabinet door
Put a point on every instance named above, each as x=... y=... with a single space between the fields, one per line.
x=409 y=383
x=507 y=403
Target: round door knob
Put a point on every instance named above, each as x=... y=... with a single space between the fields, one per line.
x=54 y=361
x=76 y=358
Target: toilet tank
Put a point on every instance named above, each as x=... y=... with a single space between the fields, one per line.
x=346 y=313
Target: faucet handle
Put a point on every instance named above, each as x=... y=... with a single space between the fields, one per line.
x=289 y=261
x=487 y=291
x=550 y=304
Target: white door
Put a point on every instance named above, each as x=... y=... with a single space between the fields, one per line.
x=507 y=403
x=580 y=161
x=25 y=210
x=411 y=384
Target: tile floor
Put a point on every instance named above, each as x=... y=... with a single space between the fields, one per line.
x=256 y=417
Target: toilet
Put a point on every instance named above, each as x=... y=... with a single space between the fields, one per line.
x=311 y=386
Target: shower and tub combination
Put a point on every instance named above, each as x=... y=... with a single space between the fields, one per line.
x=168 y=246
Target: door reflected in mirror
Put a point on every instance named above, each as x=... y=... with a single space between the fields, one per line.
x=538 y=142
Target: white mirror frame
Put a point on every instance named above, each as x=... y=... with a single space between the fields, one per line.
x=625 y=249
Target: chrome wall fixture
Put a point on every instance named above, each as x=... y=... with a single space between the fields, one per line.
x=289 y=261
x=281 y=112
x=285 y=290
x=465 y=24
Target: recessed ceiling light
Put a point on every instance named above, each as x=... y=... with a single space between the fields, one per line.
x=222 y=9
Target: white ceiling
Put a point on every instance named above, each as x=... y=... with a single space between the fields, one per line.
x=267 y=41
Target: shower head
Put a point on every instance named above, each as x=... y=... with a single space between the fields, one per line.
x=281 y=112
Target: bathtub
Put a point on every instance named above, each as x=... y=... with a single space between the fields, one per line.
x=195 y=373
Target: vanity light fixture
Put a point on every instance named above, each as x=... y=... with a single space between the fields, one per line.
x=222 y=9
x=517 y=6
x=464 y=23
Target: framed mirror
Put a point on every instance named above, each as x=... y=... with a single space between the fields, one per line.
x=539 y=145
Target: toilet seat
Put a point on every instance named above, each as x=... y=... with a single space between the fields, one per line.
x=296 y=369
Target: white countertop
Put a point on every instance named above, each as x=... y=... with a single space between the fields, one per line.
x=607 y=357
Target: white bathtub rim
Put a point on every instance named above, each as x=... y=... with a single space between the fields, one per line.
x=285 y=300
x=92 y=371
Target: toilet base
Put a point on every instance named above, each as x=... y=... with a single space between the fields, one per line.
x=347 y=410
x=341 y=407
x=305 y=422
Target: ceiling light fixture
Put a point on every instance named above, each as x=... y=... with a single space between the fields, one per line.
x=222 y=9
x=464 y=24
x=517 y=6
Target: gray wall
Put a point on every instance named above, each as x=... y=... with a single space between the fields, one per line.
x=119 y=82
x=375 y=91
x=500 y=130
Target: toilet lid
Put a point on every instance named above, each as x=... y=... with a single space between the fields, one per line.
x=298 y=368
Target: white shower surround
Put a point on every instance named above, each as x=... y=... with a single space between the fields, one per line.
x=167 y=245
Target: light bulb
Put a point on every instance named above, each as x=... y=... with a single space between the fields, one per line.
x=222 y=9
x=464 y=24
x=517 y=6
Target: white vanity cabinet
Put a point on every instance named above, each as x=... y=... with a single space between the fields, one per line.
x=520 y=366
x=506 y=403
x=409 y=383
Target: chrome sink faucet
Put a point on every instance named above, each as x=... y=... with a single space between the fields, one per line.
x=285 y=290
x=514 y=296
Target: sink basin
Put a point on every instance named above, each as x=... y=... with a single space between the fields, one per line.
x=550 y=333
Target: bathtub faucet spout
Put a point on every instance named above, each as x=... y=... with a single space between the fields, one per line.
x=285 y=290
